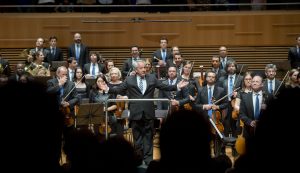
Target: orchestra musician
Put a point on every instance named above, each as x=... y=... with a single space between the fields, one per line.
x=178 y=98
x=230 y=82
x=161 y=56
x=204 y=100
x=67 y=98
x=38 y=67
x=186 y=74
x=252 y=106
x=271 y=84
x=292 y=81
x=128 y=64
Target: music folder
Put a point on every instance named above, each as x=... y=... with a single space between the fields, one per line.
x=90 y=113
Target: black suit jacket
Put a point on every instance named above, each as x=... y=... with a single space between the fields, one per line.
x=202 y=97
x=223 y=82
x=294 y=57
x=247 y=112
x=137 y=109
x=53 y=87
x=57 y=56
x=87 y=67
x=266 y=86
x=162 y=70
x=84 y=54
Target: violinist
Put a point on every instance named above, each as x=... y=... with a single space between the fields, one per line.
x=67 y=98
x=64 y=89
x=271 y=84
x=204 y=99
x=187 y=73
x=230 y=82
x=82 y=86
x=246 y=88
x=292 y=81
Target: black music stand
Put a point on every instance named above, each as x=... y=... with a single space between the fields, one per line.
x=225 y=141
x=90 y=113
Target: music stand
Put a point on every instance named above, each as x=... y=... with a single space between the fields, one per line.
x=90 y=113
x=226 y=141
x=56 y=64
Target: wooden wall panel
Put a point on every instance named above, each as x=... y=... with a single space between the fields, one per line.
x=245 y=28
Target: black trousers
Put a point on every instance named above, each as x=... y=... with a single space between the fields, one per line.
x=143 y=131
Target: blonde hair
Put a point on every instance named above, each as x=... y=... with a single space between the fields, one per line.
x=117 y=70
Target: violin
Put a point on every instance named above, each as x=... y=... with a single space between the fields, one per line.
x=66 y=111
x=235 y=113
x=120 y=108
x=217 y=117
